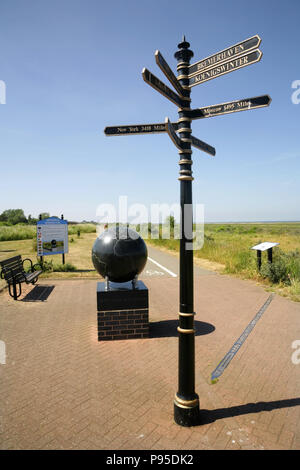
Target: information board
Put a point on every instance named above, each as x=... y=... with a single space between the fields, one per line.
x=52 y=236
x=264 y=246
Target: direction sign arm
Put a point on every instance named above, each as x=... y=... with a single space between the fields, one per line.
x=199 y=144
x=231 y=107
x=228 y=53
x=166 y=69
x=134 y=129
x=159 y=86
x=173 y=136
x=225 y=67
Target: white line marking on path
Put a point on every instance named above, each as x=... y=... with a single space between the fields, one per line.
x=162 y=267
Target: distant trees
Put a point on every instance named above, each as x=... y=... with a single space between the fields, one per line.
x=13 y=216
x=31 y=220
x=17 y=216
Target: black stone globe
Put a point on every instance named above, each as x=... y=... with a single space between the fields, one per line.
x=119 y=254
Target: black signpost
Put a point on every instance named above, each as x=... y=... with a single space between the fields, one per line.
x=186 y=404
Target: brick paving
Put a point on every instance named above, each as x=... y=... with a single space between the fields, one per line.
x=62 y=389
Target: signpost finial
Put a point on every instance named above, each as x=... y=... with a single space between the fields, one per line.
x=184 y=52
x=183 y=44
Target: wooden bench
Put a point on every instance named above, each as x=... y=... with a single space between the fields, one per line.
x=14 y=274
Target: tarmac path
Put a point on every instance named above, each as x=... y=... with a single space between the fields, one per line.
x=165 y=264
x=61 y=388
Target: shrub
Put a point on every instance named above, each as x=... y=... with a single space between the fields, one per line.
x=67 y=267
x=285 y=267
x=276 y=272
x=47 y=266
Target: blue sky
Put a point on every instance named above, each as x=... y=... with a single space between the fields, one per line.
x=72 y=67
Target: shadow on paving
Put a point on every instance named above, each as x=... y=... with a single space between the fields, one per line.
x=167 y=328
x=209 y=416
x=38 y=294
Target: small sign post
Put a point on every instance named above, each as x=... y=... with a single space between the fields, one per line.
x=265 y=246
x=186 y=404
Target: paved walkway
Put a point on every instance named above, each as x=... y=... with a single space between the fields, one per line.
x=62 y=389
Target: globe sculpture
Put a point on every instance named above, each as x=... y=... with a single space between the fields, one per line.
x=119 y=254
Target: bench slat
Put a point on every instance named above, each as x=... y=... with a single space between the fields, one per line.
x=12 y=260
x=31 y=276
x=12 y=268
x=7 y=267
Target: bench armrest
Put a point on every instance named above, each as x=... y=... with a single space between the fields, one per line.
x=37 y=264
x=31 y=265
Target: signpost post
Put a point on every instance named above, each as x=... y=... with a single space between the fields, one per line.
x=186 y=404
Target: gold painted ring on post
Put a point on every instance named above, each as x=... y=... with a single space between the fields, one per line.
x=184 y=129
x=186 y=178
x=182 y=330
x=182 y=77
x=182 y=65
x=186 y=403
x=187 y=314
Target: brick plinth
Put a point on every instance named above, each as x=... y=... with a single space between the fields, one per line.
x=123 y=324
x=122 y=311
